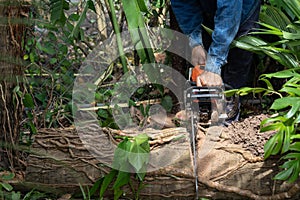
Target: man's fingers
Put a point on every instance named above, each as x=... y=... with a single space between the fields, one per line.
x=209 y=79
x=198 y=55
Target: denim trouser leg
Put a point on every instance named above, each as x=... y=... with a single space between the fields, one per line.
x=237 y=71
x=239 y=62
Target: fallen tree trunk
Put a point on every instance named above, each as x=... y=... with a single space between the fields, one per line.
x=60 y=161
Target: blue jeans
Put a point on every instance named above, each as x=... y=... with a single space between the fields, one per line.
x=239 y=62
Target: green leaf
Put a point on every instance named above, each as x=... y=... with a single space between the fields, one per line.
x=26 y=57
x=141 y=138
x=120 y=161
x=295 y=109
x=159 y=3
x=57 y=8
x=107 y=180
x=284 y=175
x=117 y=194
x=17 y=196
x=288 y=131
x=141 y=176
x=91 y=5
x=291 y=91
x=230 y=93
x=142 y=6
x=167 y=103
x=294 y=6
x=46 y=49
x=123 y=178
x=96 y=186
x=74 y=17
x=103 y=113
x=273 y=145
x=281 y=74
x=53 y=61
x=6 y=186
x=34 y=195
x=138 y=157
x=76 y=30
x=28 y=101
x=284 y=102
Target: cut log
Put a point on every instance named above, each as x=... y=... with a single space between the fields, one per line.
x=61 y=160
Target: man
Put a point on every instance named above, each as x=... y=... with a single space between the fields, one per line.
x=229 y=19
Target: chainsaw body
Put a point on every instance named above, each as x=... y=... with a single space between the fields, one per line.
x=204 y=103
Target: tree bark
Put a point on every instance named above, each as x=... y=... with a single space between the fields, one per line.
x=59 y=162
x=12 y=31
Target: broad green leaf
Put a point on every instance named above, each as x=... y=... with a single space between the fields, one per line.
x=96 y=186
x=297 y=120
x=284 y=175
x=287 y=132
x=294 y=6
x=123 y=178
x=103 y=113
x=117 y=194
x=142 y=6
x=6 y=186
x=230 y=93
x=46 y=48
x=275 y=17
x=281 y=74
x=17 y=196
x=284 y=102
x=167 y=103
x=91 y=5
x=291 y=91
x=74 y=17
x=279 y=142
x=266 y=81
x=107 y=180
x=295 y=108
x=271 y=127
x=28 y=101
x=291 y=36
x=57 y=8
x=296 y=145
x=141 y=138
x=269 y=146
x=291 y=168
x=7 y=177
x=271 y=120
x=291 y=156
x=120 y=161
x=138 y=157
x=141 y=176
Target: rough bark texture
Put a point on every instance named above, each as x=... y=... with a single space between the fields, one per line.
x=12 y=31
x=59 y=161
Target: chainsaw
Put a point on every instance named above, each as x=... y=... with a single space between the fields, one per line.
x=203 y=105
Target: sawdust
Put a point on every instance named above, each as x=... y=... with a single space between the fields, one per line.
x=246 y=132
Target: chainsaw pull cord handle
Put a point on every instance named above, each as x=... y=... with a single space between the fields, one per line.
x=196 y=72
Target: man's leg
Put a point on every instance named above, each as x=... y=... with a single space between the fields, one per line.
x=237 y=71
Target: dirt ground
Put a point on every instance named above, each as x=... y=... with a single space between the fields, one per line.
x=247 y=133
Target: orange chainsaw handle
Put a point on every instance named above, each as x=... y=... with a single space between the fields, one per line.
x=197 y=71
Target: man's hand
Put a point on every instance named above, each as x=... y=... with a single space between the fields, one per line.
x=209 y=79
x=198 y=55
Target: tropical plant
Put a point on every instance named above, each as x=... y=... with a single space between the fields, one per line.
x=130 y=159
x=280 y=20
